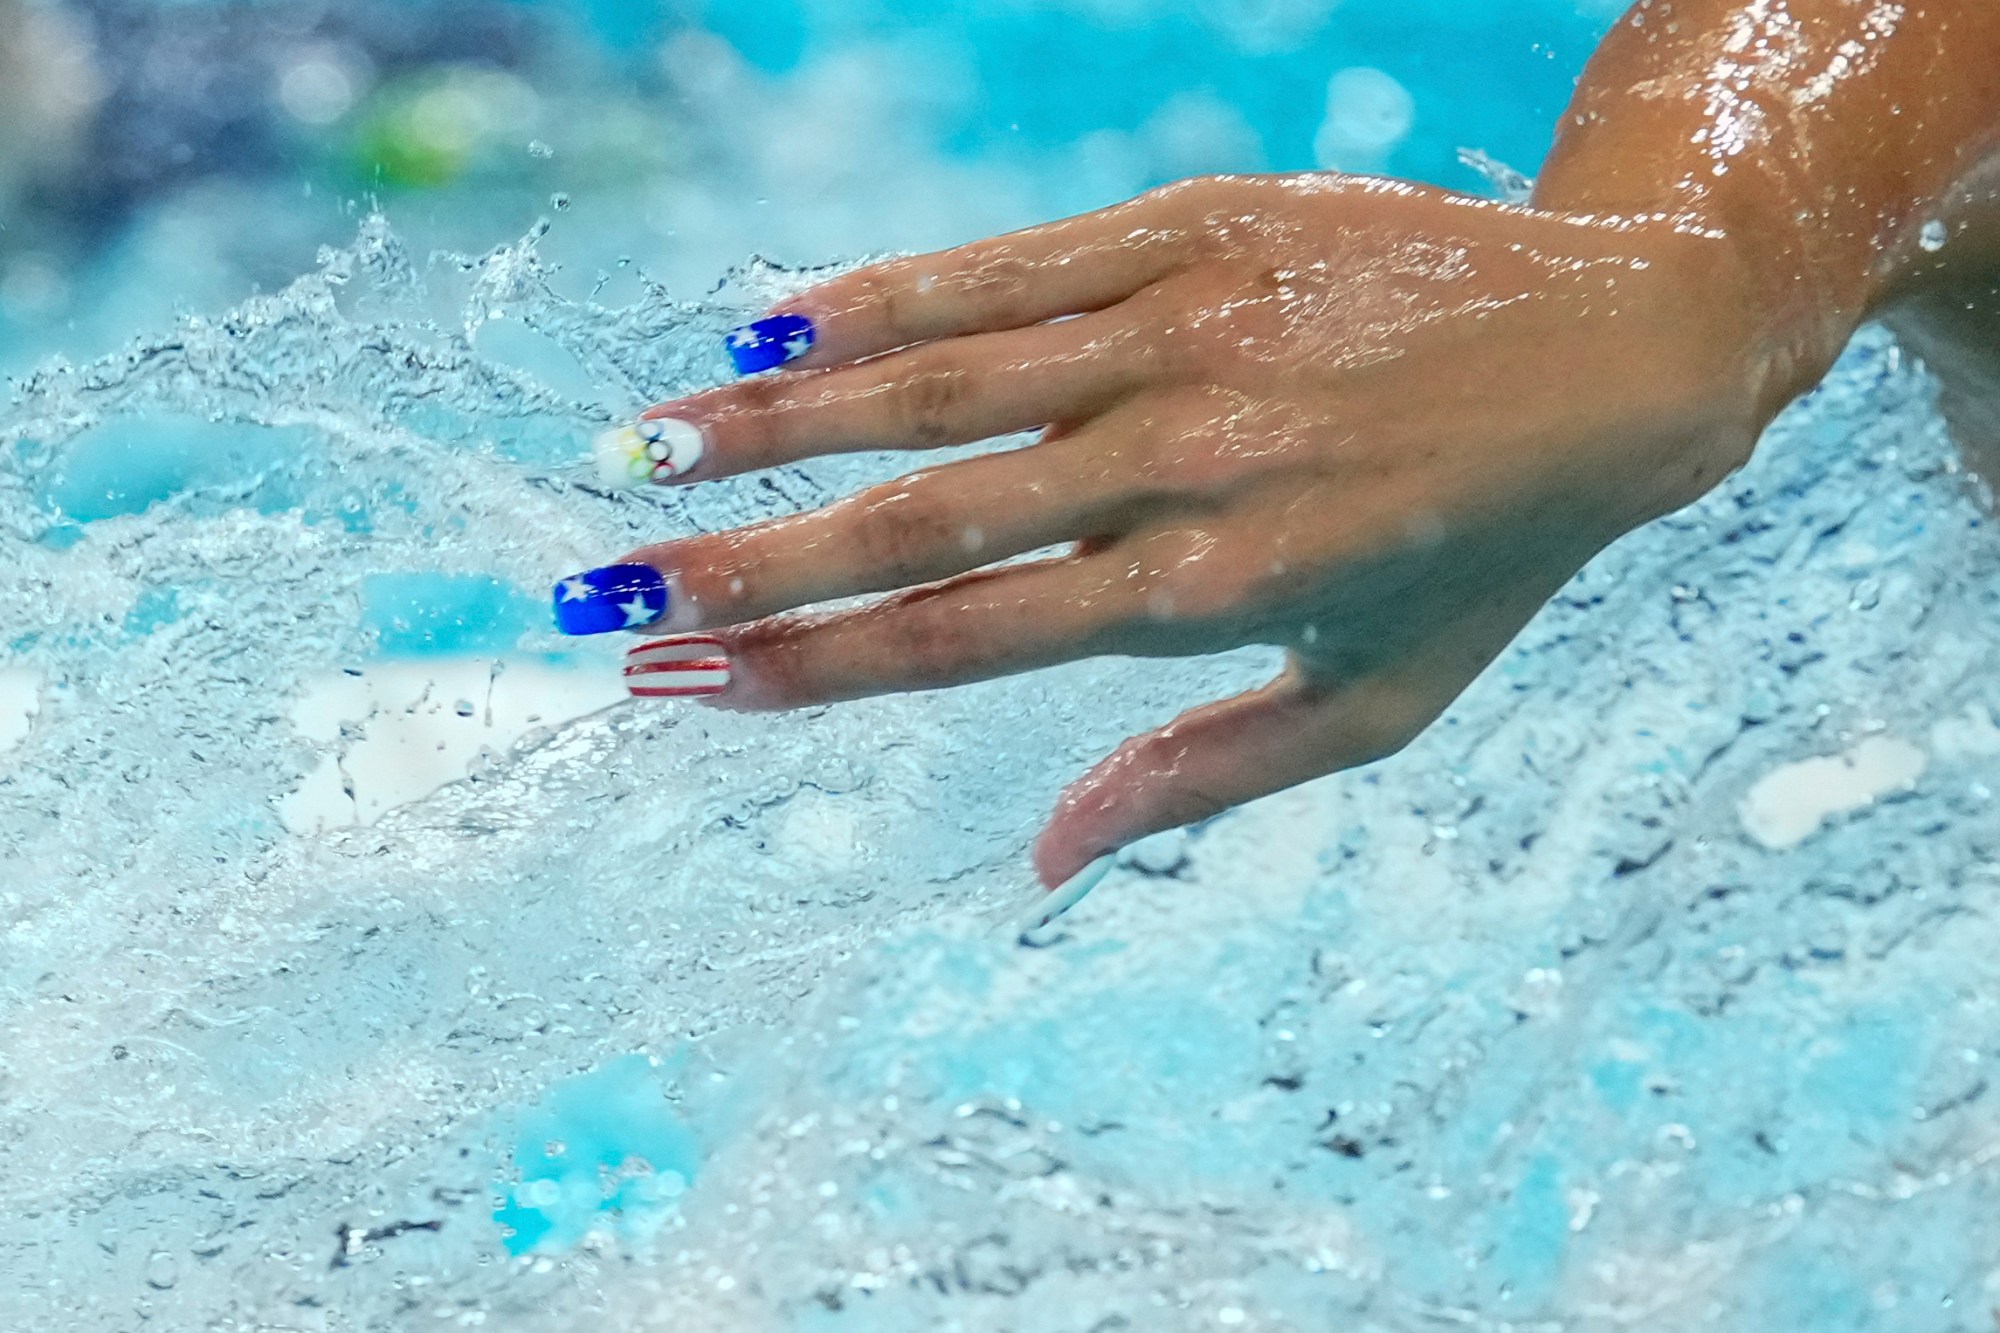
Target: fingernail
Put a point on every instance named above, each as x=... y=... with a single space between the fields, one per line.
x=770 y=343
x=659 y=450
x=1048 y=906
x=601 y=601
x=693 y=666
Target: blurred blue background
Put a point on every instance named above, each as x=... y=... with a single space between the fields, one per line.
x=169 y=156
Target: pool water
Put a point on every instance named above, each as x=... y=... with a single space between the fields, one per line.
x=371 y=963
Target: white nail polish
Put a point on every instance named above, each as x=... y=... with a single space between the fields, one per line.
x=1048 y=906
x=655 y=450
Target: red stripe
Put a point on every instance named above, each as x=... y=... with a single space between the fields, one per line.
x=690 y=641
x=692 y=664
x=683 y=692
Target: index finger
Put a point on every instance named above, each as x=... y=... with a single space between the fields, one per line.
x=1070 y=267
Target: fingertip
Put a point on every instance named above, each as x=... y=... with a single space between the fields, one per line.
x=771 y=342
x=659 y=448
x=1073 y=838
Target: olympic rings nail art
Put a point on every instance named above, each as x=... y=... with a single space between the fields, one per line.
x=655 y=450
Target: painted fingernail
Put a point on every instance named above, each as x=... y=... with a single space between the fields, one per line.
x=601 y=601
x=1048 y=906
x=770 y=343
x=660 y=449
x=693 y=666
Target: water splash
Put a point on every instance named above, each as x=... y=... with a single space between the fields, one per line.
x=203 y=1004
x=1528 y=1023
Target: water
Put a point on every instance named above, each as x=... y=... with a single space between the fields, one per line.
x=369 y=964
x=256 y=1005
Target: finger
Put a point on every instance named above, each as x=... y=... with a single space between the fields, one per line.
x=1070 y=267
x=1300 y=727
x=1222 y=756
x=919 y=529
x=975 y=627
x=955 y=392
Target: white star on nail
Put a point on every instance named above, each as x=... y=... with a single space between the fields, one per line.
x=798 y=346
x=637 y=612
x=575 y=590
x=745 y=338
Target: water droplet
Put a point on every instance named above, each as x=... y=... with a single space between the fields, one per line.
x=559 y=201
x=536 y=148
x=1933 y=236
x=162 y=1270
x=464 y=708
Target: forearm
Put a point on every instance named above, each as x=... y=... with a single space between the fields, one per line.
x=1830 y=140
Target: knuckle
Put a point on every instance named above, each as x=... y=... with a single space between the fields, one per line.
x=1172 y=446
x=1190 y=198
x=1165 y=463
x=898 y=533
x=929 y=400
x=871 y=289
x=1180 y=350
x=1001 y=286
x=933 y=641
x=751 y=424
x=891 y=304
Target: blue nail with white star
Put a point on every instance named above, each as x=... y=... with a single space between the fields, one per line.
x=770 y=343
x=604 y=601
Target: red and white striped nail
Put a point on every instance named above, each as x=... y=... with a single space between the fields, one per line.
x=693 y=666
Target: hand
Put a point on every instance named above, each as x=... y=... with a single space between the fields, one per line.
x=1375 y=424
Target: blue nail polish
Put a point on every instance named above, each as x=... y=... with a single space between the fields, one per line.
x=770 y=343
x=601 y=601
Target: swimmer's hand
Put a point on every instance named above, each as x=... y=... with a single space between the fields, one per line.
x=1375 y=424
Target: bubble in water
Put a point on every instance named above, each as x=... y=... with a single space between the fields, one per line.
x=1933 y=236
x=536 y=148
x=1368 y=113
x=559 y=201
x=163 y=1270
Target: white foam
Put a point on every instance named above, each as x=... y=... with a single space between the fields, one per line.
x=20 y=700
x=1788 y=804
x=422 y=725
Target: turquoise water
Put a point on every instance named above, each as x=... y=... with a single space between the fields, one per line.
x=369 y=965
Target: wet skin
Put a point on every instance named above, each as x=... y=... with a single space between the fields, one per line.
x=1374 y=423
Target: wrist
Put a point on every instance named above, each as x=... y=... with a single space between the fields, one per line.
x=1822 y=141
x=1777 y=288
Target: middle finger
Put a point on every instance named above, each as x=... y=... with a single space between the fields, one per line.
x=927 y=526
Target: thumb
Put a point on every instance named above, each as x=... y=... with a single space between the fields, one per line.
x=1224 y=755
